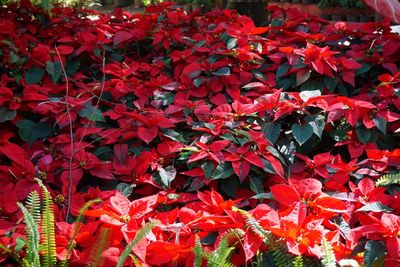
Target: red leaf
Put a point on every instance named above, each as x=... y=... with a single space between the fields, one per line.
x=284 y=194
x=331 y=204
x=65 y=49
x=147 y=134
x=122 y=36
x=18 y=155
x=241 y=168
x=160 y=252
x=254 y=159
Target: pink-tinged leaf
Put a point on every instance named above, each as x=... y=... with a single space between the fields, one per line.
x=111 y=256
x=147 y=134
x=253 y=85
x=284 y=194
x=251 y=244
x=296 y=214
x=120 y=203
x=140 y=249
x=122 y=36
x=306 y=186
x=366 y=185
x=142 y=206
x=387 y=8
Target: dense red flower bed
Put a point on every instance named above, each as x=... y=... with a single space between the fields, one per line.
x=191 y=117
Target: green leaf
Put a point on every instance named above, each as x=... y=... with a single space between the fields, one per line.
x=271 y=131
x=91 y=113
x=197 y=82
x=34 y=75
x=31 y=132
x=125 y=189
x=173 y=135
x=302 y=77
x=373 y=251
x=224 y=71
x=330 y=83
x=72 y=66
x=375 y=207
x=20 y=244
x=380 y=123
x=167 y=175
x=230 y=186
x=263 y=196
x=232 y=42
x=208 y=169
x=223 y=170
x=7 y=115
x=302 y=133
x=363 y=134
x=317 y=122
x=282 y=70
x=256 y=184
x=54 y=69
x=14 y=58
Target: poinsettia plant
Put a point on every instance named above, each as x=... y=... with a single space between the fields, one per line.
x=176 y=139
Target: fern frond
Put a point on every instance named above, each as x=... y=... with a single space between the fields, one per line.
x=298 y=262
x=15 y=256
x=48 y=237
x=276 y=247
x=33 y=205
x=311 y=261
x=198 y=252
x=136 y=261
x=145 y=230
x=388 y=179
x=221 y=255
x=100 y=245
x=77 y=227
x=328 y=257
x=32 y=244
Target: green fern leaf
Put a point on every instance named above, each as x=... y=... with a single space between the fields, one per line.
x=198 y=252
x=388 y=179
x=100 y=245
x=220 y=257
x=33 y=205
x=298 y=262
x=276 y=247
x=328 y=257
x=139 y=236
x=48 y=237
x=77 y=227
x=32 y=237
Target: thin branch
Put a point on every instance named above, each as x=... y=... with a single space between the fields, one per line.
x=71 y=136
